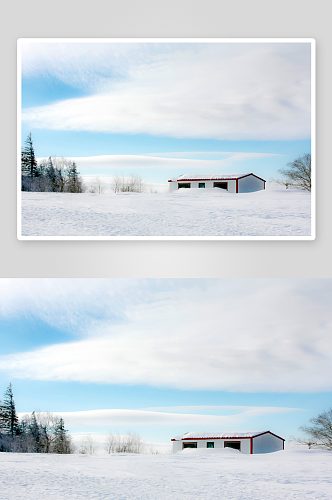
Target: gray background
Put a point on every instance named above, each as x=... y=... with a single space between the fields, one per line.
x=160 y=18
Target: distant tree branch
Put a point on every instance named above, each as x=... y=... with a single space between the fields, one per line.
x=297 y=175
x=319 y=433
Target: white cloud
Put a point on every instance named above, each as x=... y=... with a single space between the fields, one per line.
x=87 y=66
x=67 y=304
x=210 y=409
x=237 y=335
x=230 y=154
x=219 y=91
x=123 y=417
x=164 y=161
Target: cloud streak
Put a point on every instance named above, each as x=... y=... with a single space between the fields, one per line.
x=219 y=91
x=122 y=417
x=235 y=335
x=164 y=161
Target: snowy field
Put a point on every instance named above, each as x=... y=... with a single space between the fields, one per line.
x=230 y=475
x=185 y=212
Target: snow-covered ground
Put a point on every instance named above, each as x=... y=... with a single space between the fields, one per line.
x=210 y=213
x=229 y=475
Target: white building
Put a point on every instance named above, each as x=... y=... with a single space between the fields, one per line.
x=234 y=183
x=246 y=442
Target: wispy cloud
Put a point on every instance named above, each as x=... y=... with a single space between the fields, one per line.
x=219 y=91
x=166 y=161
x=236 y=335
x=232 y=154
x=67 y=304
x=209 y=409
x=123 y=417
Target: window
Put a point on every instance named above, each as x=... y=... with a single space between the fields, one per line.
x=210 y=445
x=221 y=185
x=185 y=185
x=236 y=445
x=189 y=445
x=201 y=184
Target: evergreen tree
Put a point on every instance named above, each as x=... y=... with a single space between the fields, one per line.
x=51 y=174
x=1 y=415
x=8 y=416
x=41 y=170
x=45 y=438
x=35 y=433
x=28 y=159
x=60 y=180
x=61 y=443
x=74 y=183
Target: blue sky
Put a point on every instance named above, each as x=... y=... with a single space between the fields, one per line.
x=163 y=357
x=161 y=109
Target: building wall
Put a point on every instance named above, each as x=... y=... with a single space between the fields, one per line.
x=218 y=443
x=173 y=186
x=245 y=445
x=177 y=446
x=267 y=443
x=250 y=184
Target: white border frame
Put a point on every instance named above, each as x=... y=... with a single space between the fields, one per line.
x=312 y=42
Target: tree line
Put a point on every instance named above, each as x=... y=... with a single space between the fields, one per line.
x=60 y=175
x=44 y=432
x=35 y=433
x=52 y=175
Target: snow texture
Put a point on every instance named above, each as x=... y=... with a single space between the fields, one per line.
x=216 y=435
x=191 y=474
x=183 y=213
x=207 y=177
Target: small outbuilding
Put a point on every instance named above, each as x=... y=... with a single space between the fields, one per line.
x=246 y=442
x=234 y=183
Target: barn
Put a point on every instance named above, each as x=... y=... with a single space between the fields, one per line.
x=234 y=183
x=246 y=442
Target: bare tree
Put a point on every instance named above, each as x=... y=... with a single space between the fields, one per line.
x=129 y=443
x=135 y=184
x=97 y=185
x=134 y=443
x=111 y=443
x=48 y=422
x=87 y=445
x=61 y=165
x=100 y=186
x=153 y=450
x=82 y=447
x=297 y=175
x=319 y=433
x=151 y=189
x=132 y=184
x=116 y=184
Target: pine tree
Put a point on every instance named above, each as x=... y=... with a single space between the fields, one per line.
x=35 y=433
x=2 y=417
x=28 y=159
x=75 y=183
x=61 y=443
x=8 y=416
x=60 y=180
x=51 y=174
